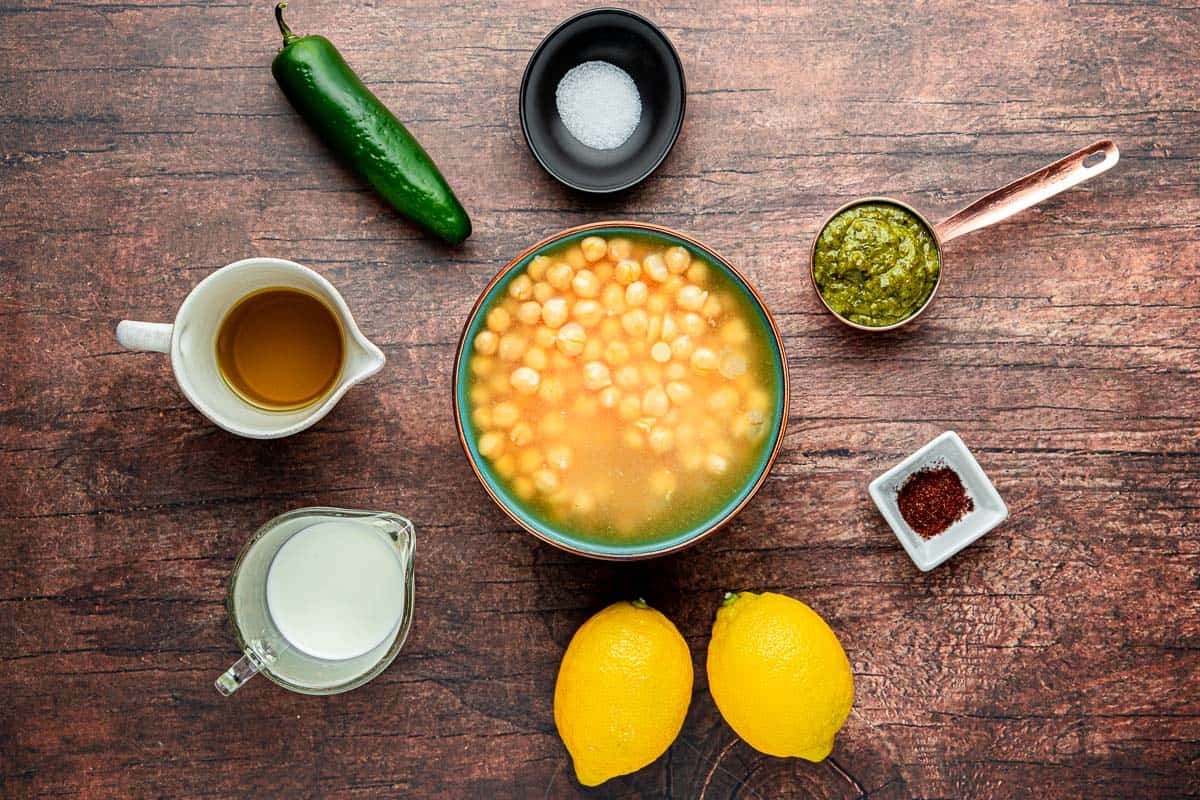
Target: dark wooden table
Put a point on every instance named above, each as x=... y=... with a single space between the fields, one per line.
x=145 y=145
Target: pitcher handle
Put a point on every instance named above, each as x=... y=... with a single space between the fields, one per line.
x=154 y=337
x=256 y=656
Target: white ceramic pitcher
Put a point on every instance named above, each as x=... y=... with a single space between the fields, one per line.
x=191 y=342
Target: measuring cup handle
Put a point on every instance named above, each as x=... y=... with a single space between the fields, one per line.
x=1031 y=190
x=255 y=657
x=152 y=336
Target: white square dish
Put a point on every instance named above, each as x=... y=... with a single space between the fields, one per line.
x=989 y=511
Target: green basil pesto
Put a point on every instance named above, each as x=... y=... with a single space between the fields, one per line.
x=876 y=264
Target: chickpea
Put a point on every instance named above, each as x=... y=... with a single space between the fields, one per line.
x=542 y=291
x=593 y=350
x=655 y=402
x=735 y=332
x=633 y=439
x=594 y=248
x=529 y=459
x=616 y=352
x=694 y=324
x=525 y=380
x=698 y=273
x=481 y=418
x=491 y=444
x=596 y=375
x=554 y=311
x=678 y=259
x=585 y=284
x=529 y=312
x=610 y=396
x=661 y=352
x=537 y=267
x=478 y=395
x=552 y=390
x=653 y=328
x=571 y=339
x=655 y=267
x=630 y=407
x=498 y=320
x=583 y=502
x=716 y=464
x=559 y=362
x=486 y=342
x=545 y=481
x=545 y=337
x=627 y=377
x=704 y=360
x=634 y=322
x=675 y=371
x=611 y=328
x=627 y=271
x=619 y=249
x=613 y=298
x=723 y=400
x=535 y=357
x=663 y=482
x=673 y=284
x=692 y=459
x=512 y=347
x=505 y=414
x=586 y=405
x=574 y=257
x=682 y=347
x=559 y=276
x=553 y=425
x=670 y=328
x=482 y=366
x=679 y=392
x=588 y=313
x=558 y=456
x=636 y=293
x=758 y=400
x=521 y=434
x=603 y=271
x=691 y=298
x=505 y=466
x=522 y=487
x=499 y=385
x=661 y=440
x=712 y=308
x=749 y=426
x=733 y=365
x=521 y=288
x=657 y=303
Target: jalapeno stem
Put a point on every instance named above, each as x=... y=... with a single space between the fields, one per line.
x=288 y=36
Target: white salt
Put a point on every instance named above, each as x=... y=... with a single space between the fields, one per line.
x=599 y=104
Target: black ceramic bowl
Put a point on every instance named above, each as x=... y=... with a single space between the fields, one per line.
x=637 y=46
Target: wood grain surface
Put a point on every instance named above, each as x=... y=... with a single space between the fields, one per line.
x=145 y=144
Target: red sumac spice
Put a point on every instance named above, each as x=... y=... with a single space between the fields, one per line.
x=933 y=499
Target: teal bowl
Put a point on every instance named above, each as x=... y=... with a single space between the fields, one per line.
x=565 y=540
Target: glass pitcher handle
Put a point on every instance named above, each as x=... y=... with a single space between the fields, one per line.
x=256 y=656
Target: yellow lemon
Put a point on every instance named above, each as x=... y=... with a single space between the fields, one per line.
x=779 y=675
x=623 y=690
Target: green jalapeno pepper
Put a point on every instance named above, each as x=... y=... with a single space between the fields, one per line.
x=360 y=129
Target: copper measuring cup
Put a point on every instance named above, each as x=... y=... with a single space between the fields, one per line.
x=999 y=205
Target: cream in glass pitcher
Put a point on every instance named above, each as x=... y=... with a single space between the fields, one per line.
x=321 y=599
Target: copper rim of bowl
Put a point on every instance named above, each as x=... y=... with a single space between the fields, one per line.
x=812 y=252
x=761 y=478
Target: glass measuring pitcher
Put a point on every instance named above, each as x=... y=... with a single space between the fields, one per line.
x=321 y=599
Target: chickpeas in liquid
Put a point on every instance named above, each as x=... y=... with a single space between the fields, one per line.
x=622 y=389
